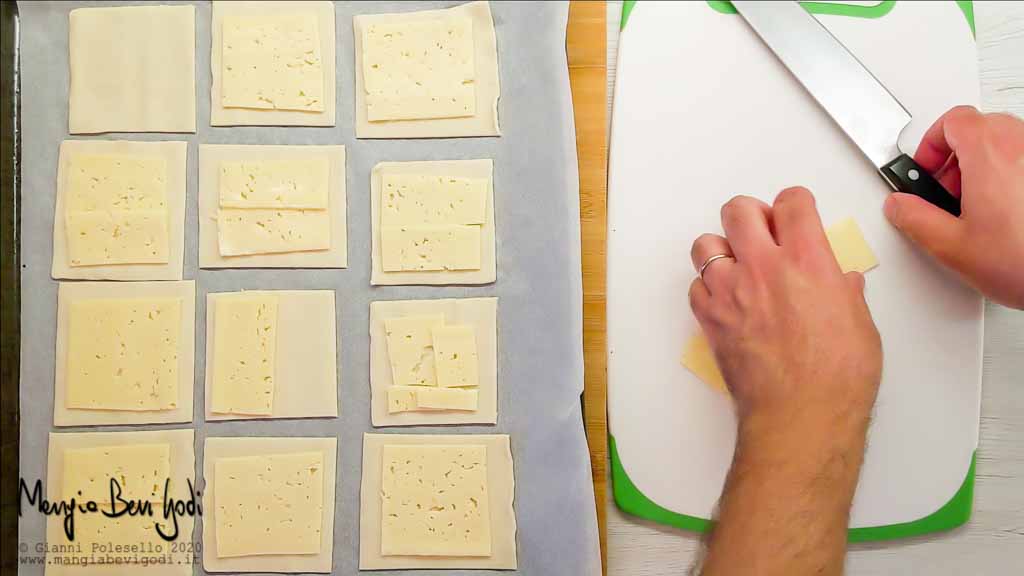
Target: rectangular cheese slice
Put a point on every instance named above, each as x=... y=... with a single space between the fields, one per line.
x=411 y=199
x=698 y=358
x=123 y=354
x=272 y=231
x=410 y=349
x=97 y=238
x=139 y=469
x=455 y=357
x=244 y=354
x=96 y=531
x=275 y=184
x=269 y=505
x=116 y=182
x=430 y=247
x=434 y=501
x=419 y=69
x=402 y=398
x=272 y=61
x=848 y=244
x=446 y=399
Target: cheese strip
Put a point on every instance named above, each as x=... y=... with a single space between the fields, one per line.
x=96 y=238
x=410 y=349
x=423 y=398
x=116 y=182
x=412 y=199
x=272 y=231
x=430 y=247
x=455 y=357
x=244 y=354
x=275 y=184
x=139 y=469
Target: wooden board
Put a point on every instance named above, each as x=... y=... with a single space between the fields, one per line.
x=586 y=48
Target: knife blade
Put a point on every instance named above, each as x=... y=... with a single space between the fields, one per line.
x=865 y=110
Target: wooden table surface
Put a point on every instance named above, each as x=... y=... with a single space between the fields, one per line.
x=992 y=543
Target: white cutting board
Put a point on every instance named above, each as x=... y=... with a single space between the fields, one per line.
x=703 y=111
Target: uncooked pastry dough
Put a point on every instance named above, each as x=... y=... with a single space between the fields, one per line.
x=222 y=116
x=484 y=122
x=132 y=69
x=472 y=169
x=219 y=448
x=173 y=156
x=500 y=491
x=480 y=313
x=851 y=251
x=95 y=528
x=306 y=377
x=69 y=292
x=211 y=157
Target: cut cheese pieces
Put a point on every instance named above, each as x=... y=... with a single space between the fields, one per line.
x=272 y=231
x=699 y=359
x=419 y=69
x=455 y=358
x=245 y=346
x=123 y=354
x=269 y=504
x=116 y=182
x=411 y=398
x=434 y=501
x=430 y=248
x=117 y=237
x=272 y=61
x=300 y=183
x=410 y=199
x=410 y=349
x=139 y=471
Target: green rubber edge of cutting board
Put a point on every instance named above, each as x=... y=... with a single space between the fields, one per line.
x=954 y=513
x=876 y=11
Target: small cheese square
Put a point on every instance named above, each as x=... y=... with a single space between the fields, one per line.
x=98 y=238
x=269 y=505
x=96 y=531
x=140 y=471
x=419 y=69
x=435 y=501
x=272 y=62
x=698 y=358
x=455 y=358
x=116 y=182
x=272 y=231
x=848 y=244
x=299 y=183
x=430 y=247
x=409 y=199
x=410 y=349
x=245 y=347
x=446 y=399
x=123 y=354
x=402 y=398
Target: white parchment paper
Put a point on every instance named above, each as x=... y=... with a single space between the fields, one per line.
x=539 y=286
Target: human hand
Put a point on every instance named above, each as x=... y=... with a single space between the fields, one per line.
x=792 y=334
x=980 y=159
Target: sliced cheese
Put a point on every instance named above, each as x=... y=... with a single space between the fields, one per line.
x=848 y=244
x=419 y=69
x=430 y=247
x=244 y=351
x=123 y=354
x=272 y=62
x=116 y=182
x=410 y=349
x=272 y=231
x=411 y=199
x=699 y=359
x=455 y=357
x=446 y=399
x=434 y=501
x=402 y=398
x=140 y=471
x=275 y=184
x=270 y=504
x=96 y=531
x=97 y=238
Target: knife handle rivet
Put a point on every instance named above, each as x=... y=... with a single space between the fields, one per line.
x=913 y=174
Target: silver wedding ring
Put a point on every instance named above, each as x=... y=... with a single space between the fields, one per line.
x=708 y=262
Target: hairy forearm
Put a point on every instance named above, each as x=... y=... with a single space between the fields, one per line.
x=785 y=508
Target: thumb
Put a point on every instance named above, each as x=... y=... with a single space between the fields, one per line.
x=933 y=229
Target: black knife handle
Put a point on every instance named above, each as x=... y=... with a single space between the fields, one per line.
x=904 y=175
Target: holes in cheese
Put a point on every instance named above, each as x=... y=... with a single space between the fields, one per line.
x=409 y=199
x=410 y=349
x=455 y=357
x=420 y=69
x=271 y=504
x=272 y=62
x=139 y=469
x=430 y=247
x=434 y=501
x=270 y=231
x=123 y=354
x=116 y=210
x=299 y=183
x=244 y=351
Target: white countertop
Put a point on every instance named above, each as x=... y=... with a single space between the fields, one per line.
x=994 y=538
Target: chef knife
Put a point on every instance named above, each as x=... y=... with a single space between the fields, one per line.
x=871 y=116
